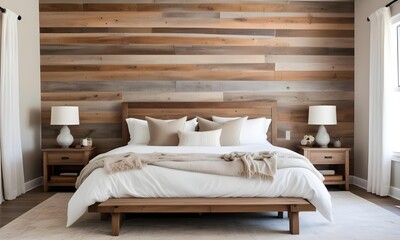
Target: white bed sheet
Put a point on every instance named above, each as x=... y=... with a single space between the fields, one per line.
x=153 y=181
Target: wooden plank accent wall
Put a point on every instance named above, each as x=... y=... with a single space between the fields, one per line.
x=97 y=54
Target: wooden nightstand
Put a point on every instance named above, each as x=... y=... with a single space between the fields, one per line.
x=62 y=165
x=336 y=159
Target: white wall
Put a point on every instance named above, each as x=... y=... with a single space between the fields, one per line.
x=363 y=8
x=29 y=59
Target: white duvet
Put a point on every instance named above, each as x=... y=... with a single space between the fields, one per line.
x=153 y=181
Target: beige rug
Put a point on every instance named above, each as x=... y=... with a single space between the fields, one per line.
x=355 y=218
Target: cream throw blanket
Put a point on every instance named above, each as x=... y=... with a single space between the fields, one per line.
x=262 y=165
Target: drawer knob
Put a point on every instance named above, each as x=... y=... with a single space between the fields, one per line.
x=64 y=158
x=328 y=157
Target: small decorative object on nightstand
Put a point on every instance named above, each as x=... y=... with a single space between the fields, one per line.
x=61 y=166
x=322 y=115
x=87 y=141
x=337 y=143
x=336 y=159
x=308 y=140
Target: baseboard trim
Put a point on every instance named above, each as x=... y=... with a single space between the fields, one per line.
x=362 y=183
x=395 y=193
x=33 y=183
x=359 y=182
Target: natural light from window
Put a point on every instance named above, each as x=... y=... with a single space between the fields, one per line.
x=395 y=94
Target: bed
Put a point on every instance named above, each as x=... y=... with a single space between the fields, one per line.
x=157 y=189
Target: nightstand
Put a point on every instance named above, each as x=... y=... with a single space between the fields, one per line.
x=61 y=166
x=334 y=158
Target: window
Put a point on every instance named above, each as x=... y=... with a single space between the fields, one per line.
x=396 y=44
x=397 y=26
x=394 y=91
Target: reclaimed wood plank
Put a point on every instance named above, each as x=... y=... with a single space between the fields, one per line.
x=90 y=117
x=317 y=72
x=267 y=50
x=263 y=86
x=325 y=7
x=84 y=106
x=309 y=59
x=166 y=75
x=208 y=31
x=109 y=86
x=172 y=96
x=106 y=49
x=98 y=130
x=155 y=19
x=81 y=96
x=149 y=59
x=139 y=49
x=157 y=67
x=294 y=97
x=193 y=39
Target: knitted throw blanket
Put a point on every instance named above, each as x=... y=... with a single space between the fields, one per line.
x=262 y=165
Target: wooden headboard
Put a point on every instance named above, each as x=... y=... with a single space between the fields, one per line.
x=174 y=110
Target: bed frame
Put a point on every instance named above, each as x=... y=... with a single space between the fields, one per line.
x=174 y=110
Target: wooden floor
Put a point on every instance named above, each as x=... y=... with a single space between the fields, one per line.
x=10 y=210
x=388 y=203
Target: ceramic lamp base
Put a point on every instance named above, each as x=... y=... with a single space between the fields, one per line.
x=65 y=139
x=322 y=137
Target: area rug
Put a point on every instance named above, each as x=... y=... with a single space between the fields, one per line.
x=355 y=218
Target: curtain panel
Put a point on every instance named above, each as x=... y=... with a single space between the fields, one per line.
x=380 y=125
x=12 y=173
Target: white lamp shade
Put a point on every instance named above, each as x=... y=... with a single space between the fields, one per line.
x=64 y=115
x=322 y=115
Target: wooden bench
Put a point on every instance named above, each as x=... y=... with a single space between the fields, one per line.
x=116 y=206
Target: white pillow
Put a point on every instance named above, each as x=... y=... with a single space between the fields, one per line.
x=206 y=138
x=254 y=131
x=139 y=130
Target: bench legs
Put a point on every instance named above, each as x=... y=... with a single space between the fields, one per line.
x=115 y=223
x=294 y=223
x=293 y=214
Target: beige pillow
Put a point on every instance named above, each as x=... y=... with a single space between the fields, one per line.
x=165 y=133
x=230 y=135
x=208 y=138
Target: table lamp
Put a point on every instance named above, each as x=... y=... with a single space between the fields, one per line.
x=322 y=115
x=64 y=115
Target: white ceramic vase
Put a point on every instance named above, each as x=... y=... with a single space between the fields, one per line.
x=322 y=138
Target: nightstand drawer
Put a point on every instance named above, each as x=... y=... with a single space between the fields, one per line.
x=330 y=157
x=65 y=158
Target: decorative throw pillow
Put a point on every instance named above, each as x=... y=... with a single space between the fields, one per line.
x=207 y=138
x=139 y=129
x=254 y=131
x=165 y=133
x=230 y=135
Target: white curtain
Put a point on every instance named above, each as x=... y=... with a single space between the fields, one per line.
x=12 y=172
x=380 y=125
